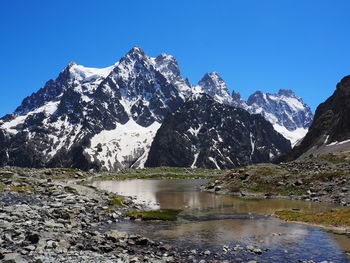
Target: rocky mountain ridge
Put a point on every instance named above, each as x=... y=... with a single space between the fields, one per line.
x=206 y=133
x=102 y=118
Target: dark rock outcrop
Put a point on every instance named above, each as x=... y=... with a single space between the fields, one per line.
x=331 y=126
x=205 y=133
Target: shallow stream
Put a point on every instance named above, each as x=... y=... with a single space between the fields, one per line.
x=209 y=221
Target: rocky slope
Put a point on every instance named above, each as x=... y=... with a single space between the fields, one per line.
x=106 y=119
x=205 y=133
x=320 y=179
x=330 y=130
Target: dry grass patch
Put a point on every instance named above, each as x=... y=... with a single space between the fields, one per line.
x=335 y=218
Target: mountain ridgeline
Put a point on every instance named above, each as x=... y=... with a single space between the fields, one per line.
x=123 y=115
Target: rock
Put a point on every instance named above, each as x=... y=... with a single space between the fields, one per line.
x=218 y=188
x=257 y=251
x=30 y=248
x=51 y=244
x=115 y=235
x=298 y=182
x=141 y=241
x=33 y=238
x=250 y=248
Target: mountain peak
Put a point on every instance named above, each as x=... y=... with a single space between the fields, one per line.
x=136 y=50
x=165 y=57
x=212 y=84
x=286 y=92
x=168 y=66
x=69 y=66
x=136 y=53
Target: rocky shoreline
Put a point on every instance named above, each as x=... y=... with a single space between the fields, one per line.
x=54 y=215
x=48 y=220
x=46 y=216
x=310 y=179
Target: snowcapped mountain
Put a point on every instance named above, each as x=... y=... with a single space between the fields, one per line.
x=95 y=118
x=288 y=114
x=206 y=133
x=107 y=118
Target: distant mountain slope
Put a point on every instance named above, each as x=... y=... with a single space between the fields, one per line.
x=205 y=133
x=330 y=130
x=288 y=113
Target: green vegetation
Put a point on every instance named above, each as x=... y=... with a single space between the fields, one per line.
x=262 y=179
x=335 y=218
x=163 y=214
x=116 y=201
x=162 y=172
x=336 y=157
x=283 y=190
x=327 y=176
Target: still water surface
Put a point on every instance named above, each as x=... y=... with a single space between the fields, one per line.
x=210 y=221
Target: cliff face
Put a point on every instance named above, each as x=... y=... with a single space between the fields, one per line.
x=330 y=129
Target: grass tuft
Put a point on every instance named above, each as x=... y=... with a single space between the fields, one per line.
x=162 y=214
x=116 y=201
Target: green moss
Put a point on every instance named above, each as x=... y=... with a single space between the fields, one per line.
x=334 y=218
x=116 y=201
x=163 y=214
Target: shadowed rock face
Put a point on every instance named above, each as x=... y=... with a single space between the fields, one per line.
x=205 y=133
x=330 y=126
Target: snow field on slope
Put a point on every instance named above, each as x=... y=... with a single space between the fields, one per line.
x=126 y=144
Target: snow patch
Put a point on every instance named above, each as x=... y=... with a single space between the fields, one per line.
x=338 y=143
x=123 y=147
x=193 y=165
x=49 y=108
x=292 y=136
x=214 y=161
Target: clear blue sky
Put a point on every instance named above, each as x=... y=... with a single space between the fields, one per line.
x=301 y=45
